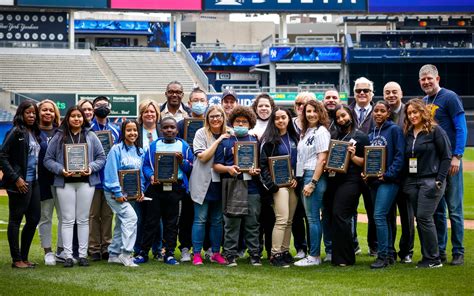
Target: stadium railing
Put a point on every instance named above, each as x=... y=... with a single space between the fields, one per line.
x=195 y=67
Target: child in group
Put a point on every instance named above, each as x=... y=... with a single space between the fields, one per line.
x=123 y=156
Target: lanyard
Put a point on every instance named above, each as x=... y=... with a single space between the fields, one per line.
x=413 y=145
x=72 y=139
x=286 y=146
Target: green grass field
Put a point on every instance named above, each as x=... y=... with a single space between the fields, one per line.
x=157 y=278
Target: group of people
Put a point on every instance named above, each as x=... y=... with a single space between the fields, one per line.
x=219 y=210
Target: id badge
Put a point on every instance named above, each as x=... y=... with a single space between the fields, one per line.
x=413 y=165
x=167 y=187
x=247 y=177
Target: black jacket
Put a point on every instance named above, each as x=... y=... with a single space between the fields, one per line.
x=14 y=156
x=433 y=153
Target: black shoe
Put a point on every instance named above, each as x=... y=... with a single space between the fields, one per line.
x=105 y=256
x=68 y=262
x=458 y=259
x=287 y=258
x=95 y=257
x=255 y=260
x=391 y=260
x=379 y=263
x=429 y=264
x=278 y=260
x=231 y=262
x=443 y=258
x=84 y=262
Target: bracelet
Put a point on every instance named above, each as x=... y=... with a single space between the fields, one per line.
x=314 y=182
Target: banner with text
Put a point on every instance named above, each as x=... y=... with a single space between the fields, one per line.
x=226 y=58
x=305 y=54
x=335 y=6
x=122 y=105
x=182 y=5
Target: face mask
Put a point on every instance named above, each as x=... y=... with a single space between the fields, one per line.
x=102 y=111
x=198 y=108
x=241 y=131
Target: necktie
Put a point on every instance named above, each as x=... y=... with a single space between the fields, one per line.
x=361 y=115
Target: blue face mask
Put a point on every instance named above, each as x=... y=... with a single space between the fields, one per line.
x=198 y=108
x=241 y=131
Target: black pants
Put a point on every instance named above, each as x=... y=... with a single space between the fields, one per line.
x=300 y=224
x=407 y=220
x=267 y=221
x=186 y=220
x=29 y=206
x=164 y=207
x=345 y=202
x=369 y=209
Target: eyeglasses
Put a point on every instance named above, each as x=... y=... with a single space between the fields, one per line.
x=299 y=104
x=238 y=121
x=174 y=92
x=364 y=90
x=215 y=117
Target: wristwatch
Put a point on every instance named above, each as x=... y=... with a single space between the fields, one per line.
x=314 y=182
x=458 y=156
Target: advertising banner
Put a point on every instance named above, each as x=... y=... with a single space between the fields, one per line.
x=63 y=101
x=33 y=26
x=64 y=3
x=335 y=6
x=184 y=5
x=305 y=54
x=244 y=99
x=226 y=58
x=420 y=6
x=112 y=27
x=122 y=105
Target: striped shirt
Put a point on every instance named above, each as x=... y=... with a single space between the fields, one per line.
x=315 y=141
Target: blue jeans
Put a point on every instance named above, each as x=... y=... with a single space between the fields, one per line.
x=213 y=210
x=384 y=196
x=125 y=231
x=453 y=200
x=312 y=205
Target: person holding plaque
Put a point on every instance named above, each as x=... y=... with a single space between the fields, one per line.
x=124 y=156
x=280 y=139
x=427 y=160
x=312 y=152
x=101 y=215
x=348 y=187
x=384 y=187
x=242 y=209
x=19 y=163
x=75 y=189
x=205 y=185
x=166 y=196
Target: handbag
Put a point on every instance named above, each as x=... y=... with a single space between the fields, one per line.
x=235 y=197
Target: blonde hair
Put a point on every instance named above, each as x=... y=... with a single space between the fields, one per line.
x=57 y=115
x=144 y=105
x=426 y=117
x=306 y=95
x=207 y=125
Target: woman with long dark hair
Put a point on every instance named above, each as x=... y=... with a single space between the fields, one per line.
x=280 y=139
x=19 y=163
x=75 y=190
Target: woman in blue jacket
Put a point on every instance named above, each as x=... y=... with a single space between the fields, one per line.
x=385 y=186
x=75 y=191
x=126 y=155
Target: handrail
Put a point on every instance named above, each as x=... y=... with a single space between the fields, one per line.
x=195 y=67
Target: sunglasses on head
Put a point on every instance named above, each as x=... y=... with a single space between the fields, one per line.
x=365 y=90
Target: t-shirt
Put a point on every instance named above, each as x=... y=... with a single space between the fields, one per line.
x=33 y=152
x=315 y=141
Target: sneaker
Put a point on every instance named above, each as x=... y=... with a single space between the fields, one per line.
x=428 y=264
x=379 y=263
x=126 y=260
x=114 y=259
x=300 y=254
x=287 y=258
x=140 y=259
x=308 y=261
x=208 y=254
x=68 y=262
x=328 y=258
x=358 y=251
x=170 y=260
x=61 y=257
x=158 y=257
x=105 y=256
x=241 y=254
x=255 y=260
x=278 y=260
x=185 y=255
x=83 y=262
x=197 y=259
x=407 y=259
x=217 y=258
x=391 y=260
x=458 y=259
x=372 y=252
x=443 y=258
x=95 y=257
x=49 y=259
x=231 y=262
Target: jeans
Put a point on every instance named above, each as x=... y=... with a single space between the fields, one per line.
x=312 y=205
x=453 y=201
x=209 y=211
x=125 y=231
x=384 y=196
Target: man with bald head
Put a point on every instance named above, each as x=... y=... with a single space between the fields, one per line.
x=392 y=94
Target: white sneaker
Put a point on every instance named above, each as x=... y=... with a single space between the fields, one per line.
x=308 y=261
x=328 y=258
x=49 y=259
x=114 y=259
x=61 y=257
x=185 y=255
x=300 y=255
x=126 y=260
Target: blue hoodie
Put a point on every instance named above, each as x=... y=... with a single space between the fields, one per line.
x=121 y=157
x=184 y=168
x=391 y=136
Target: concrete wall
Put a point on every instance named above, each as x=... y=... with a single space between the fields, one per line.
x=233 y=33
